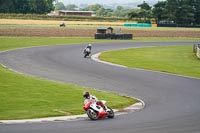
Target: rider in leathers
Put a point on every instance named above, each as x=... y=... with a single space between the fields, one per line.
x=87 y=95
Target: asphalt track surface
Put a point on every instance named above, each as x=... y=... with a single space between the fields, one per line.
x=172 y=102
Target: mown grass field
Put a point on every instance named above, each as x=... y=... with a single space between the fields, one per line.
x=50 y=28
x=171 y=59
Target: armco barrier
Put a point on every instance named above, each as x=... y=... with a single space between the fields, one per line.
x=114 y=36
x=138 y=25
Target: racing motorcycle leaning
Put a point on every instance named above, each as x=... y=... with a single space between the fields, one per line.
x=86 y=52
x=95 y=111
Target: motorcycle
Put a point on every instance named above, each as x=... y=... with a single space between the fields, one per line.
x=95 y=111
x=86 y=52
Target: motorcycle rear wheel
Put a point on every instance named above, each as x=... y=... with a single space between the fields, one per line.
x=92 y=114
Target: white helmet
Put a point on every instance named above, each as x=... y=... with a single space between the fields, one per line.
x=89 y=44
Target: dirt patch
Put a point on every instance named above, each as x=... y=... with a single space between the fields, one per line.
x=82 y=31
x=51 y=22
x=47 y=32
x=76 y=32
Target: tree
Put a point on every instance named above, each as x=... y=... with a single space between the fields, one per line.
x=26 y=6
x=144 y=6
x=145 y=12
x=133 y=14
x=101 y=12
x=71 y=7
x=172 y=6
x=120 y=12
x=178 y=11
x=196 y=9
x=159 y=11
x=59 y=6
x=93 y=7
x=185 y=13
x=7 y=6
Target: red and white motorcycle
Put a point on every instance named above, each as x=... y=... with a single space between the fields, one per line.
x=95 y=111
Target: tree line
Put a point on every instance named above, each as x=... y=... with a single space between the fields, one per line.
x=26 y=6
x=168 y=11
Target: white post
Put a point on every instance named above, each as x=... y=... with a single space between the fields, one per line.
x=198 y=51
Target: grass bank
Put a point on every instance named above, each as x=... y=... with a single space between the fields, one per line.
x=21 y=42
x=172 y=59
x=27 y=97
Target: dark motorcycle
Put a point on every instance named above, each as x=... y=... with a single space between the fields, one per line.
x=86 y=52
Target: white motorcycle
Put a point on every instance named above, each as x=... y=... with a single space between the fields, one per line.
x=95 y=111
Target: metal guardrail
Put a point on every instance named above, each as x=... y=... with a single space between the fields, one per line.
x=196 y=49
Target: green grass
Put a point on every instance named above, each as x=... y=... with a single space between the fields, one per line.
x=172 y=59
x=7 y=43
x=162 y=28
x=21 y=42
x=26 y=97
x=165 y=39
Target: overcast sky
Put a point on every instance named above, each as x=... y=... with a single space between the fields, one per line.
x=78 y=2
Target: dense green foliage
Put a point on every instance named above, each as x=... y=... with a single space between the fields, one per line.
x=178 y=11
x=26 y=6
x=168 y=11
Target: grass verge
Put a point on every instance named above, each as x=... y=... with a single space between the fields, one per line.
x=20 y=42
x=27 y=97
x=172 y=59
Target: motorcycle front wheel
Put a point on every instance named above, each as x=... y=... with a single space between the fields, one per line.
x=111 y=113
x=92 y=114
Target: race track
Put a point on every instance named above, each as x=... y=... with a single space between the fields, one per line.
x=172 y=102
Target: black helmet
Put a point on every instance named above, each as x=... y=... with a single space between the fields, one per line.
x=86 y=94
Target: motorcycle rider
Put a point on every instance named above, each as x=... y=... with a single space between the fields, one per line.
x=87 y=95
x=89 y=46
x=87 y=50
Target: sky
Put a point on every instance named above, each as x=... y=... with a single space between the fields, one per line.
x=89 y=2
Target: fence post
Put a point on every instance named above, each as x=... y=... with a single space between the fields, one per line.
x=198 y=51
x=195 y=48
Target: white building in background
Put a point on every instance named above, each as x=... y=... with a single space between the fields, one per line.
x=75 y=13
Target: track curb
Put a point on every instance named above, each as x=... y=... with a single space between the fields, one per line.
x=133 y=108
